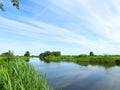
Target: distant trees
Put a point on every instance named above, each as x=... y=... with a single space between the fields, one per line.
x=91 y=53
x=82 y=55
x=8 y=55
x=15 y=3
x=55 y=53
x=48 y=53
x=27 y=54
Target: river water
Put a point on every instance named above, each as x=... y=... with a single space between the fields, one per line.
x=74 y=76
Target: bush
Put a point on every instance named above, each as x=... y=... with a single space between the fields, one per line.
x=91 y=53
x=82 y=55
x=27 y=54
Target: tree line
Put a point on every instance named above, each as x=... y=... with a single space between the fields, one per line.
x=42 y=55
x=48 y=53
x=11 y=53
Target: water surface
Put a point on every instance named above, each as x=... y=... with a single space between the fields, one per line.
x=73 y=76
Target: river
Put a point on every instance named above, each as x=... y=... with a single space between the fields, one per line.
x=73 y=76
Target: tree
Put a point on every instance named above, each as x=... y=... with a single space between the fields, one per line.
x=1 y=7
x=14 y=2
x=8 y=55
x=56 y=53
x=91 y=53
x=82 y=55
x=48 y=53
x=27 y=54
x=42 y=55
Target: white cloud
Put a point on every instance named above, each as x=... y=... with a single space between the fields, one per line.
x=102 y=18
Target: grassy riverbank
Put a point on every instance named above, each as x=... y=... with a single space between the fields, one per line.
x=85 y=58
x=18 y=75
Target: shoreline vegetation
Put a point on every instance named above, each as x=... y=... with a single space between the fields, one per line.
x=17 y=74
x=91 y=58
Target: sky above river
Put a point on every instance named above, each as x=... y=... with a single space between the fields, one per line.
x=69 y=26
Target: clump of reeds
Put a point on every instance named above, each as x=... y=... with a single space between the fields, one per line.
x=19 y=75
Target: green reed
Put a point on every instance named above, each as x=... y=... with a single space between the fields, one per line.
x=19 y=75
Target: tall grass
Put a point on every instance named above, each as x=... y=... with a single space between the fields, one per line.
x=19 y=75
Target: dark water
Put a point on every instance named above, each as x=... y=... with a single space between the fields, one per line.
x=73 y=76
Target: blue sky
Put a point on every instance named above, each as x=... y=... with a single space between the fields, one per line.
x=69 y=26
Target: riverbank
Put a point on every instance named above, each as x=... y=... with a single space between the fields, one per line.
x=98 y=59
x=17 y=74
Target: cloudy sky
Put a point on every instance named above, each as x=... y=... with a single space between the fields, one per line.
x=69 y=26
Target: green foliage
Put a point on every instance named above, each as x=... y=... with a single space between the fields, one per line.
x=85 y=58
x=91 y=53
x=48 y=53
x=1 y=7
x=19 y=75
x=27 y=54
x=14 y=2
x=56 y=56
x=8 y=55
x=42 y=55
x=103 y=59
x=82 y=55
x=56 y=53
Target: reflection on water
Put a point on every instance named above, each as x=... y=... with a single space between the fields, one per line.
x=79 y=76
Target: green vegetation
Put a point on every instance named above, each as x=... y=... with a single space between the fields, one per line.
x=91 y=58
x=17 y=74
x=91 y=53
x=48 y=53
x=8 y=55
x=27 y=54
x=14 y=2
